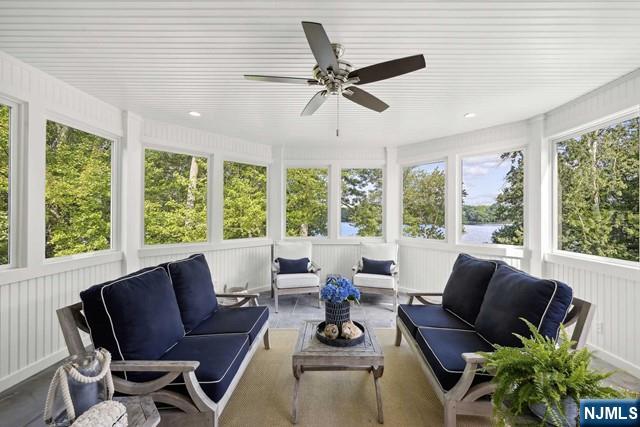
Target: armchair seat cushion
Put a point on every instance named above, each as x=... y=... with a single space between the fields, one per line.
x=299 y=280
x=416 y=316
x=220 y=357
x=443 y=348
x=374 y=280
x=236 y=320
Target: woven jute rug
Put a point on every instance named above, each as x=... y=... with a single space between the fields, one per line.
x=264 y=395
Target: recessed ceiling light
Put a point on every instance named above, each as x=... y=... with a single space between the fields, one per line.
x=194 y=114
x=469 y=115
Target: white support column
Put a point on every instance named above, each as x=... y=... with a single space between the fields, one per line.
x=334 y=200
x=276 y=194
x=391 y=198
x=35 y=165
x=132 y=191
x=453 y=186
x=217 y=198
x=537 y=221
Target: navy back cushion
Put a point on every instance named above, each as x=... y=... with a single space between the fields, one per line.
x=293 y=266
x=374 y=266
x=135 y=317
x=467 y=284
x=194 y=289
x=513 y=294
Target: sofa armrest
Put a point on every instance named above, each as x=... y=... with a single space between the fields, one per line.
x=154 y=365
x=251 y=299
x=420 y=296
x=314 y=268
x=474 y=358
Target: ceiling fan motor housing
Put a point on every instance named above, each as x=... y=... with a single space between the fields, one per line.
x=334 y=79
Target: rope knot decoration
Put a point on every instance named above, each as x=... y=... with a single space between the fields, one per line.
x=61 y=381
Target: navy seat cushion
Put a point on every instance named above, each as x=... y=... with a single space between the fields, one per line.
x=293 y=266
x=467 y=284
x=443 y=348
x=194 y=289
x=415 y=316
x=220 y=356
x=123 y=315
x=374 y=266
x=513 y=294
x=246 y=320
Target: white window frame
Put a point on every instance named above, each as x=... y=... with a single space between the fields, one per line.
x=304 y=165
x=438 y=159
x=15 y=170
x=350 y=165
x=612 y=119
x=171 y=150
x=525 y=202
x=116 y=162
x=267 y=167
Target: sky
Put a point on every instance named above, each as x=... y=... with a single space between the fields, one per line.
x=483 y=178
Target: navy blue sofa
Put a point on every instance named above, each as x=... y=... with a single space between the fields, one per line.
x=164 y=321
x=482 y=306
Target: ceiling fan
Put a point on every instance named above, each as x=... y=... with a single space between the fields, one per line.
x=338 y=76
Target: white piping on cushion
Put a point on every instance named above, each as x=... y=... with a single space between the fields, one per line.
x=104 y=304
x=225 y=372
x=189 y=258
x=266 y=310
x=436 y=356
x=418 y=326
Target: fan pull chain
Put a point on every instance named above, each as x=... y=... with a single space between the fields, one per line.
x=338 y=115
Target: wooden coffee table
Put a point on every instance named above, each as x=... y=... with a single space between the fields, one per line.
x=311 y=355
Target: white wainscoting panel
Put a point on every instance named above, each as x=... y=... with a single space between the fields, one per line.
x=233 y=266
x=614 y=331
x=336 y=259
x=30 y=336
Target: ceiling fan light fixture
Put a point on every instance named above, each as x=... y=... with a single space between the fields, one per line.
x=469 y=115
x=194 y=114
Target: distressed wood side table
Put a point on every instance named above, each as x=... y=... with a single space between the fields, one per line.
x=312 y=355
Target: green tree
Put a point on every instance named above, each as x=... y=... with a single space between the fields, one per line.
x=245 y=201
x=175 y=198
x=306 y=205
x=5 y=115
x=423 y=201
x=509 y=206
x=78 y=191
x=598 y=192
x=362 y=200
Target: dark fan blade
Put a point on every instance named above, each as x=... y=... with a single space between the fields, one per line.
x=320 y=46
x=386 y=70
x=315 y=103
x=365 y=99
x=276 y=79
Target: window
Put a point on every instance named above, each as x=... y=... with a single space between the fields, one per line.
x=597 y=192
x=492 y=199
x=361 y=202
x=78 y=191
x=175 y=198
x=306 y=210
x=245 y=201
x=423 y=201
x=5 y=166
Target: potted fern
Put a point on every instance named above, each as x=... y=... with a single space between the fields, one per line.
x=545 y=377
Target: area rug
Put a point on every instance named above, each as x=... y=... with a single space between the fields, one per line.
x=264 y=395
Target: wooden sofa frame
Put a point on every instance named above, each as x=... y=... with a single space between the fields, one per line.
x=196 y=409
x=463 y=398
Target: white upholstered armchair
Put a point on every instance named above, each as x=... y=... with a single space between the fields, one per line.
x=385 y=284
x=294 y=283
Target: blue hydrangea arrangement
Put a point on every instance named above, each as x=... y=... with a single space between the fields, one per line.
x=339 y=289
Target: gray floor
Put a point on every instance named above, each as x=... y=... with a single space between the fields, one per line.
x=23 y=404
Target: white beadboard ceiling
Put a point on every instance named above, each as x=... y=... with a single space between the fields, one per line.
x=503 y=60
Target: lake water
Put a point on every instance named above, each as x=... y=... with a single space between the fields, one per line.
x=479 y=233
